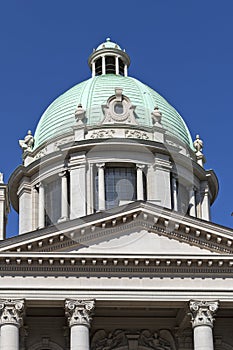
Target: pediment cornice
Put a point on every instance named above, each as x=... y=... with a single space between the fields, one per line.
x=105 y=225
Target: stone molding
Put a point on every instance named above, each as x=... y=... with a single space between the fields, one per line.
x=79 y=312
x=202 y=312
x=11 y=312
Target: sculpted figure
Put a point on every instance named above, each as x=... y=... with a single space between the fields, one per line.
x=28 y=142
x=198 y=144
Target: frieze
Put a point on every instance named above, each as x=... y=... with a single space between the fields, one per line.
x=136 y=134
x=138 y=340
x=63 y=141
x=100 y=134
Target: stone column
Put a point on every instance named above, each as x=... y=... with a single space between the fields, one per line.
x=79 y=314
x=117 y=65
x=101 y=186
x=174 y=192
x=64 y=197
x=103 y=65
x=41 y=214
x=125 y=70
x=140 y=190
x=11 y=312
x=4 y=207
x=202 y=321
x=93 y=69
x=205 y=203
x=192 y=202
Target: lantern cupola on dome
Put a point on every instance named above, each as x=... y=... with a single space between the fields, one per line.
x=109 y=58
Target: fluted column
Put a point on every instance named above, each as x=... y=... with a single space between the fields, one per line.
x=79 y=314
x=11 y=312
x=101 y=186
x=41 y=214
x=140 y=190
x=202 y=321
x=64 y=196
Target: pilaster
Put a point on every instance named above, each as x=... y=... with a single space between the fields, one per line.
x=77 y=169
x=25 y=206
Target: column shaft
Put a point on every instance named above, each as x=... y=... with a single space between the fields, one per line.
x=125 y=70
x=117 y=65
x=79 y=337
x=174 y=193
x=41 y=218
x=203 y=338
x=103 y=65
x=101 y=186
x=93 y=69
x=140 y=191
x=64 y=197
x=9 y=339
x=192 y=203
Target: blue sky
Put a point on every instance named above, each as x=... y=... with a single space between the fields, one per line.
x=181 y=48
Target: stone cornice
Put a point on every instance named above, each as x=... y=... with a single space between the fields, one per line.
x=114 y=265
x=137 y=215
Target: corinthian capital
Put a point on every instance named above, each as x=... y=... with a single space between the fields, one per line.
x=202 y=312
x=11 y=312
x=79 y=311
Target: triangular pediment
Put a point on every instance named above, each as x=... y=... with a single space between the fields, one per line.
x=138 y=228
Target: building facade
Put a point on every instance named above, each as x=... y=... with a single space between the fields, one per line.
x=116 y=248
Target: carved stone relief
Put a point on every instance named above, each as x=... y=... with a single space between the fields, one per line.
x=119 y=109
x=139 y=340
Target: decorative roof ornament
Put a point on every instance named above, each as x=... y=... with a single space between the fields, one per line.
x=80 y=115
x=119 y=109
x=28 y=142
x=1 y=178
x=156 y=116
x=198 y=145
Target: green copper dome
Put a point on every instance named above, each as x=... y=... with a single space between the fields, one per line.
x=108 y=44
x=59 y=118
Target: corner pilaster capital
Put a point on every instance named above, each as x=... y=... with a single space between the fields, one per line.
x=202 y=312
x=140 y=166
x=11 y=312
x=63 y=173
x=79 y=312
x=100 y=165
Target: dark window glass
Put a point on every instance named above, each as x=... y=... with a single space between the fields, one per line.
x=120 y=185
x=52 y=202
x=119 y=108
x=98 y=66
x=110 y=65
